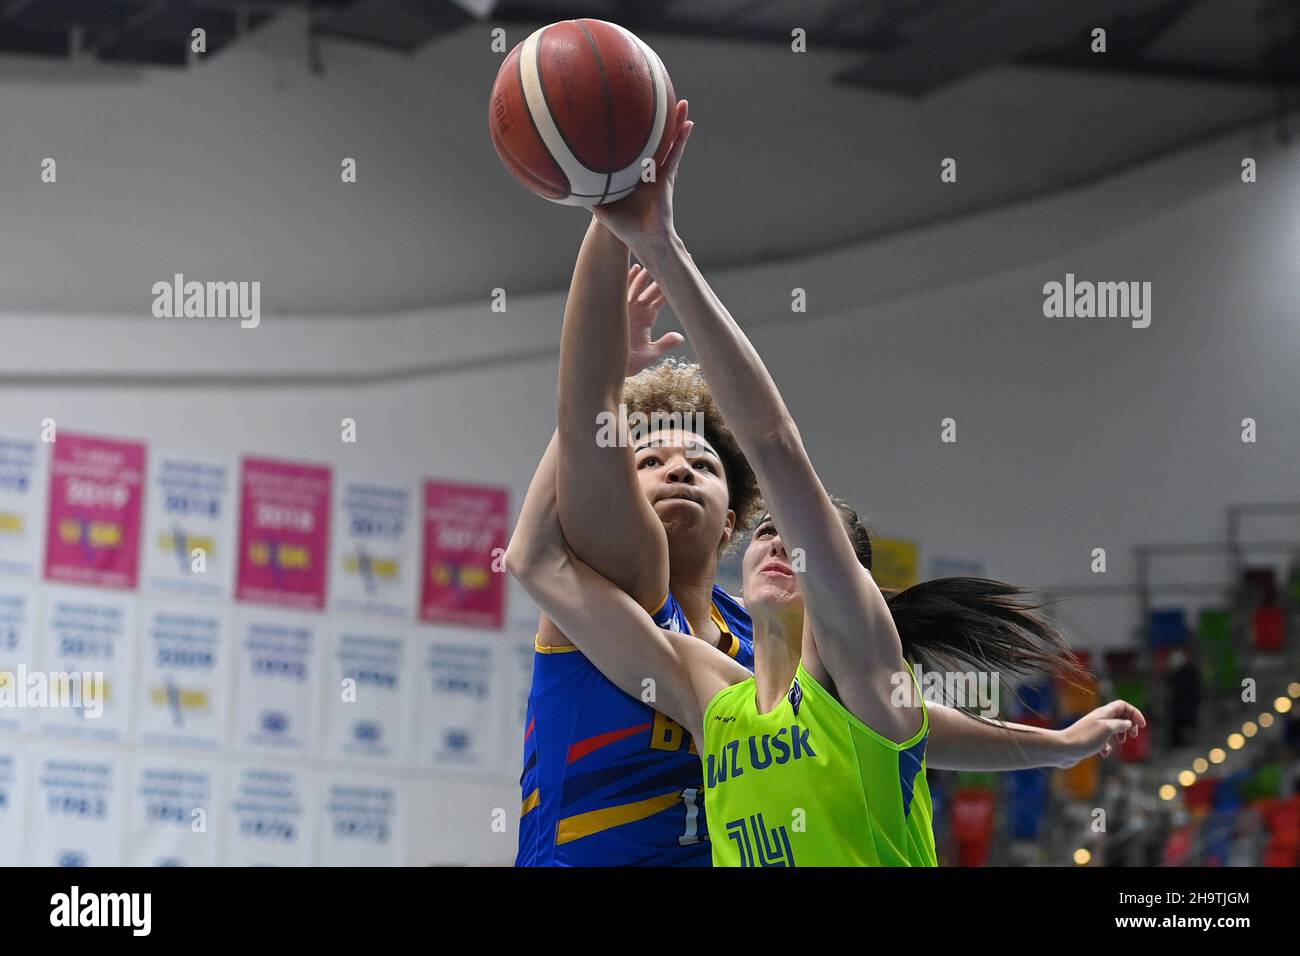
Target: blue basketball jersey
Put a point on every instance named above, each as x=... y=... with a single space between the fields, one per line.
x=608 y=780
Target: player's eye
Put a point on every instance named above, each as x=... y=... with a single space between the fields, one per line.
x=707 y=466
x=647 y=461
x=765 y=530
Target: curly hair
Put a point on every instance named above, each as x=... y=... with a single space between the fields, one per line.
x=673 y=386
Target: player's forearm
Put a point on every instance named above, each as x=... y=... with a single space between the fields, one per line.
x=594 y=340
x=537 y=534
x=962 y=742
x=596 y=482
x=738 y=380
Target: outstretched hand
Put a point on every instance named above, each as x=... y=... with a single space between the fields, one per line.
x=644 y=302
x=647 y=214
x=1098 y=732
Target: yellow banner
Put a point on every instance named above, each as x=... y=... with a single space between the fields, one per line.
x=895 y=562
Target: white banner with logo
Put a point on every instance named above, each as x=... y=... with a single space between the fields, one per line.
x=86 y=667
x=362 y=823
x=458 y=704
x=17 y=654
x=374 y=550
x=369 y=695
x=76 y=812
x=173 y=813
x=15 y=783
x=184 y=663
x=278 y=669
x=22 y=499
x=270 y=815
x=190 y=531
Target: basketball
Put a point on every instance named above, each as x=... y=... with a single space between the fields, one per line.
x=576 y=110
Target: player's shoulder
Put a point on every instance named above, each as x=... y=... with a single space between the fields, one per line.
x=732 y=610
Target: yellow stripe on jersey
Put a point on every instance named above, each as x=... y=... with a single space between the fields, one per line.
x=585 y=824
x=531 y=802
x=548 y=649
x=733 y=642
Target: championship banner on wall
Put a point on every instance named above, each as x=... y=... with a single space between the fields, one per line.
x=458 y=706
x=21 y=489
x=172 y=814
x=93 y=534
x=374 y=550
x=17 y=653
x=278 y=666
x=283 y=533
x=368 y=696
x=76 y=811
x=895 y=563
x=86 y=656
x=362 y=823
x=14 y=764
x=190 y=544
x=270 y=817
x=464 y=541
x=183 y=665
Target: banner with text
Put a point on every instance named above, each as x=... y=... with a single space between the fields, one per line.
x=284 y=533
x=96 y=490
x=463 y=579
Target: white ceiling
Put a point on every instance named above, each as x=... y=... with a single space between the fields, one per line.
x=230 y=170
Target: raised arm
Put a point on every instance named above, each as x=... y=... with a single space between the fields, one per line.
x=856 y=640
x=607 y=520
x=676 y=674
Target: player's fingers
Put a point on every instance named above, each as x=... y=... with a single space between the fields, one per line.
x=679 y=145
x=638 y=284
x=669 y=340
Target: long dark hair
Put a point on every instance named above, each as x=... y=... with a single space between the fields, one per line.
x=963 y=623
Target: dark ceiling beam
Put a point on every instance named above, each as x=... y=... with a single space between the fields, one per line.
x=1144 y=34
x=1284 y=73
x=651 y=19
x=14 y=8
x=976 y=34
x=129 y=26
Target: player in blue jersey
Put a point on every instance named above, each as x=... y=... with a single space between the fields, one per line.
x=607 y=780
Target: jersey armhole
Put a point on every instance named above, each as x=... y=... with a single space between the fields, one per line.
x=713 y=703
x=857 y=721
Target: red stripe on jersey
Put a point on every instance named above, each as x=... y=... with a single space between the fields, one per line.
x=592 y=744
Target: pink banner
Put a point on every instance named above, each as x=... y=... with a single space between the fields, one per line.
x=464 y=536
x=96 y=489
x=283 y=533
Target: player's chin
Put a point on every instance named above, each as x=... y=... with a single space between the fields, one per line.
x=769 y=594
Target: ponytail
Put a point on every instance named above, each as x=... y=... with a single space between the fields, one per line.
x=959 y=624
x=956 y=624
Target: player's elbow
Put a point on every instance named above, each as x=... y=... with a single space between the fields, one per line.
x=529 y=560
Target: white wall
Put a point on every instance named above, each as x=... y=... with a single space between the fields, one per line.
x=1072 y=433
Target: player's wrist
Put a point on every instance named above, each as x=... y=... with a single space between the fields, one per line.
x=661 y=248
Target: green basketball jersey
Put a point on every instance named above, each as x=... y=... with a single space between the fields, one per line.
x=810 y=784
